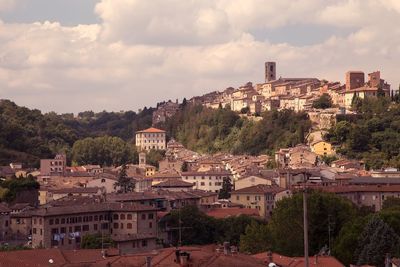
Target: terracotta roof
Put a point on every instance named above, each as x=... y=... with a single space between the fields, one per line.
x=259 y=189
x=284 y=261
x=173 y=183
x=151 y=130
x=211 y=172
x=76 y=190
x=134 y=196
x=221 y=213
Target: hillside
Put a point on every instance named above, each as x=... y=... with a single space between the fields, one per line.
x=26 y=135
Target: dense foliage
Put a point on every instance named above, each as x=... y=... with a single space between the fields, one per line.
x=210 y=130
x=105 y=150
x=195 y=224
x=323 y=102
x=96 y=241
x=372 y=135
x=10 y=188
x=27 y=135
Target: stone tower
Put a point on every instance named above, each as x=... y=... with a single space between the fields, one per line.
x=270 y=71
x=142 y=159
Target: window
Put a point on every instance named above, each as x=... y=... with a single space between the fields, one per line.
x=51 y=222
x=34 y=231
x=151 y=216
x=129 y=226
x=144 y=243
x=77 y=228
x=96 y=218
x=63 y=230
x=57 y=221
x=248 y=197
x=85 y=228
x=129 y=217
x=150 y=225
x=103 y=180
x=63 y=221
x=41 y=231
x=34 y=221
x=143 y=216
x=115 y=217
x=116 y=225
x=122 y=216
x=95 y=226
x=122 y=226
x=202 y=183
x=134 y=244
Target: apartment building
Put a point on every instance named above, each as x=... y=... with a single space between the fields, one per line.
x=151 y=138
x=56 y=166
x=260 y=197
x=131 y=226
x=207 y=181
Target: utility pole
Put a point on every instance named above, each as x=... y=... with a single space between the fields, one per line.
x=305 y=220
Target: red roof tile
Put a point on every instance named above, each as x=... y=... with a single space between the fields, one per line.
x=151 y=130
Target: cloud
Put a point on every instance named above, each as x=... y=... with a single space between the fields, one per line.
x=148 y=51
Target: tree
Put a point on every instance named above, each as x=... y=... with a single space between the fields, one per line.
x=245 y=110
x=323 y=102
x=391 y=203
x=184 y=167
x=124 y=183
x=95 y=241
x=225 y=191
x=255 y=239
x=376 y=240
x=323 y=209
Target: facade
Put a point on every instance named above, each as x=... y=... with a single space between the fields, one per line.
x=322 y=148
x=207 y=181
x=48 y=195
x=270 y=71
x=354 y=79
x=259 y=197
x=251 y=181
x=174 y=185
x=131 y=226
x=151 y=138
x=56 y=166
x=4 y=221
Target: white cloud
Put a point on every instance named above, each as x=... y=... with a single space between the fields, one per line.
x=149 y=51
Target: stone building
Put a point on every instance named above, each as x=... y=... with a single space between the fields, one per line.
x=151 y=138
x=131 y=226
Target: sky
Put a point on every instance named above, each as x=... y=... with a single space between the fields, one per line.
x=73 y=55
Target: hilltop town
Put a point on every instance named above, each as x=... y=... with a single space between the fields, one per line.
x=158 y=202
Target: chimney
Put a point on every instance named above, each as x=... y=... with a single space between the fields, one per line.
x=226 y=248
x=183 y=260
x=316 y=259
x=148 y=261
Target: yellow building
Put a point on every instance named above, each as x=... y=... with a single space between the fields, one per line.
x=322 y=148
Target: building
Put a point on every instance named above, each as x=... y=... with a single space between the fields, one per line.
x=4 y=221
x=270 y=71
x=260 y=197
x=207 y=181
x=251 y=181
x=174 y=185
x=47 y=195
x=131 y=226
x=151 y=138
x=366 y=195
x=56 y=166
x=354 y=79
x=322 y=148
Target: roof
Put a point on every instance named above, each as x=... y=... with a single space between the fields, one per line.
x=151 y=130
x=372 y=180
x=4 y=208
x=361 y=188
x=200 y=256
x=284 y=261
x=92 y=207
x=211 y=172
x=221 y=213
x=259 y=189
x=76 y=190
x=174 y=183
